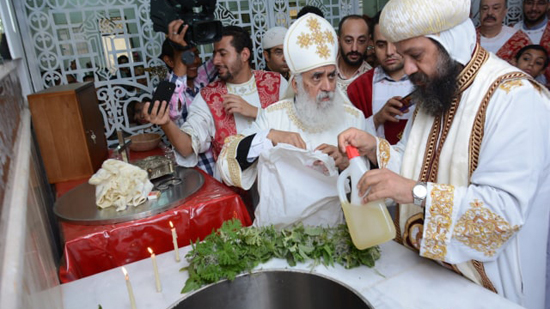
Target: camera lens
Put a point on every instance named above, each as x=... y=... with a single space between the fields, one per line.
x=207 y=31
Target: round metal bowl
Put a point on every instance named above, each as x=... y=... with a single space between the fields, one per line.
x=144 y=141
x=275 y=290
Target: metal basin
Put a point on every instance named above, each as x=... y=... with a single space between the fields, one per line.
x=275 y=290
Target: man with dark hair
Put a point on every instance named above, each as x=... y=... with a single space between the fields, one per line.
x=189 y=79
x=225 y=107
x=310 y=9
x=471 y=173
x=379 y=91
x=496 y=37
x=125 y=70
x=353 y=39
x=532 y=59
x=272 y=43
x=536 y=25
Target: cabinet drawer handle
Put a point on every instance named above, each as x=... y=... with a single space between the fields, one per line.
x=92 y=135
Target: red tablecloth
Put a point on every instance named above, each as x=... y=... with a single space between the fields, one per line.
x=92 y=249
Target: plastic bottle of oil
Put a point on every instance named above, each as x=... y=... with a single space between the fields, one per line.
x=369 y=224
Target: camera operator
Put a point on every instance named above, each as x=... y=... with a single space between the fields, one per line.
x=189 y=80
x=226 y=106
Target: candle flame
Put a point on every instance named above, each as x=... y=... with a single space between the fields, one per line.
x=171 y=225
x=150 y=250
x=124 y=271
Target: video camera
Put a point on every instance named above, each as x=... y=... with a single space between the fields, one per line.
x=198 y=14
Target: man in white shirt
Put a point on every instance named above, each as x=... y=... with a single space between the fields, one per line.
x=353 y=40
x=290 y=149
x=224 y=107
x=471 y=174
x=379 y=91
x=496 y=37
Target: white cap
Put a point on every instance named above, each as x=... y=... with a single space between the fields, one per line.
x=273 y=37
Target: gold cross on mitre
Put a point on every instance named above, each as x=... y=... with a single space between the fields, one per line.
x=317 y=37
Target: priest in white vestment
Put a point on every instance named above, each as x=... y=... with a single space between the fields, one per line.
x=471 y=174
x=291 y=148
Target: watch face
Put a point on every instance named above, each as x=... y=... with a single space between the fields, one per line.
x=420 y=191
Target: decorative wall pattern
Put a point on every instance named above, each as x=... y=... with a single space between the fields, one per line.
x=82 y=39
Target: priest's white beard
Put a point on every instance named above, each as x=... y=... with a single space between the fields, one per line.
x=315 y=112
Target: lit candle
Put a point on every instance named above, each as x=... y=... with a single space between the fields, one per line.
x=175 y=241
x=155 y=268
x=129 y=287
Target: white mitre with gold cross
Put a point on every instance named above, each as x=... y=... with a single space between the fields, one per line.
x=310 y=43
x=405 y=19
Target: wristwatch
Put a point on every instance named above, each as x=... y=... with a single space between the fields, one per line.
x=420 y=191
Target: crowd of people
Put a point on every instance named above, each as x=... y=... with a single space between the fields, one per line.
x=453 y=119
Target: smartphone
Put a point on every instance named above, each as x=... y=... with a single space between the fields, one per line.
x=407 y=102
x=164 y=92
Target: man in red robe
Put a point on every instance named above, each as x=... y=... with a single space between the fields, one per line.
x=225 y=107
x=378 y=92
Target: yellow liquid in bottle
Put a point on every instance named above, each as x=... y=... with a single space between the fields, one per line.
x=369 y=225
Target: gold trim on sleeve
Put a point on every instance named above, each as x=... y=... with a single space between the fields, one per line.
x=229 y=152
x=383 y=153
x=438 y=226
x=482 y=230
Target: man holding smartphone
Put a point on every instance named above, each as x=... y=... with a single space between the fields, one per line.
x=188 y=79
x=380 y=91
x=225 y=107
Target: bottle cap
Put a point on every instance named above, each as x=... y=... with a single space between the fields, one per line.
x=352 y=152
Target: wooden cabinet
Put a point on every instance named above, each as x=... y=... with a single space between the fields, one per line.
x=70 y=131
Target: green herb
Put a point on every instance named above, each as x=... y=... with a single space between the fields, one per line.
x=234 y=249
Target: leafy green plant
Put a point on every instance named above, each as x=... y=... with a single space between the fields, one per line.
x=234 y=249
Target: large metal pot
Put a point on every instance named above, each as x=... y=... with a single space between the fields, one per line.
x=275 y=290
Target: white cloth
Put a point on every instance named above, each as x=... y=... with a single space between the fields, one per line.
x=383 y=89
x=510 y=188
x=200 y=123
x=281 y=204
x=459 y=41
x=495 y=43
x=534 y=34
x=343 y=83
x=311 y=199
x=120 y=184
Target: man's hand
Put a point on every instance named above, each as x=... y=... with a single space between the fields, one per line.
x=389 y=112
x=292 y=138
x=235 y=104
x=363 y=141
x=173 y=34
x=340 y=160
x=159 y=118
x=384 y=184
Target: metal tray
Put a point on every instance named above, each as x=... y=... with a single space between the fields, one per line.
x=78 y=205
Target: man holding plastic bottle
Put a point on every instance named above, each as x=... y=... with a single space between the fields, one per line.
x=471 y=171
